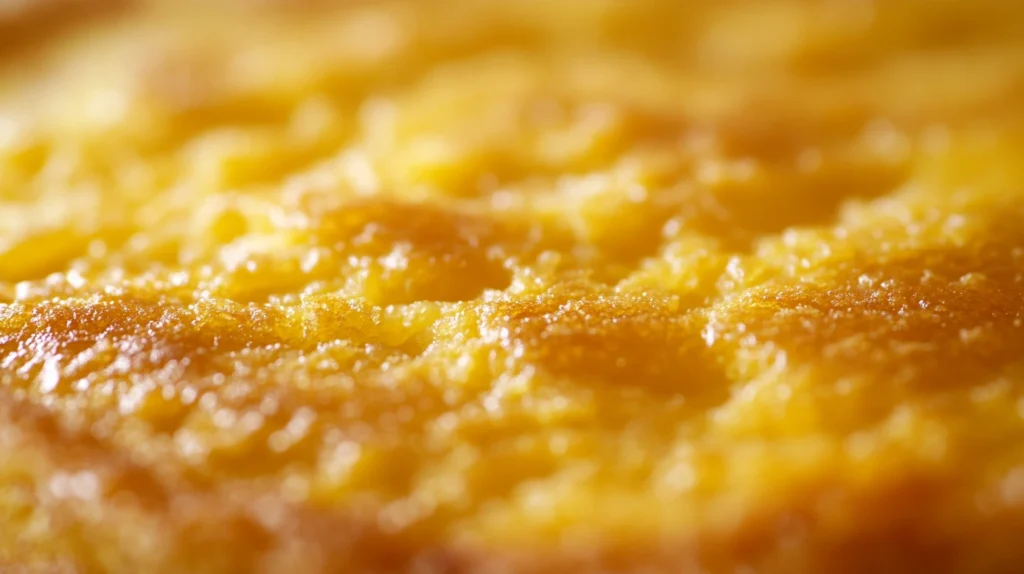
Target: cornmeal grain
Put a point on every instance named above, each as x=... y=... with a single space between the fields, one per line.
x=538 y=286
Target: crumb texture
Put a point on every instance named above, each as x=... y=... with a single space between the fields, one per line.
x=539 y=287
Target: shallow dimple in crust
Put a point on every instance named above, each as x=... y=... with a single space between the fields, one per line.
x=537 y=287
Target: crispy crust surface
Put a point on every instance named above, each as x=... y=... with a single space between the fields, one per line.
x=473 y=286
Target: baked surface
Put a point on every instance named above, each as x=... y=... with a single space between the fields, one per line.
x=475 y=286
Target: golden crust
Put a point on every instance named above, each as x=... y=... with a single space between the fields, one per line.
x=514 y=287
x=28 y=24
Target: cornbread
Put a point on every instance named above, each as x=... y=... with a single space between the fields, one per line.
x=545 y=286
